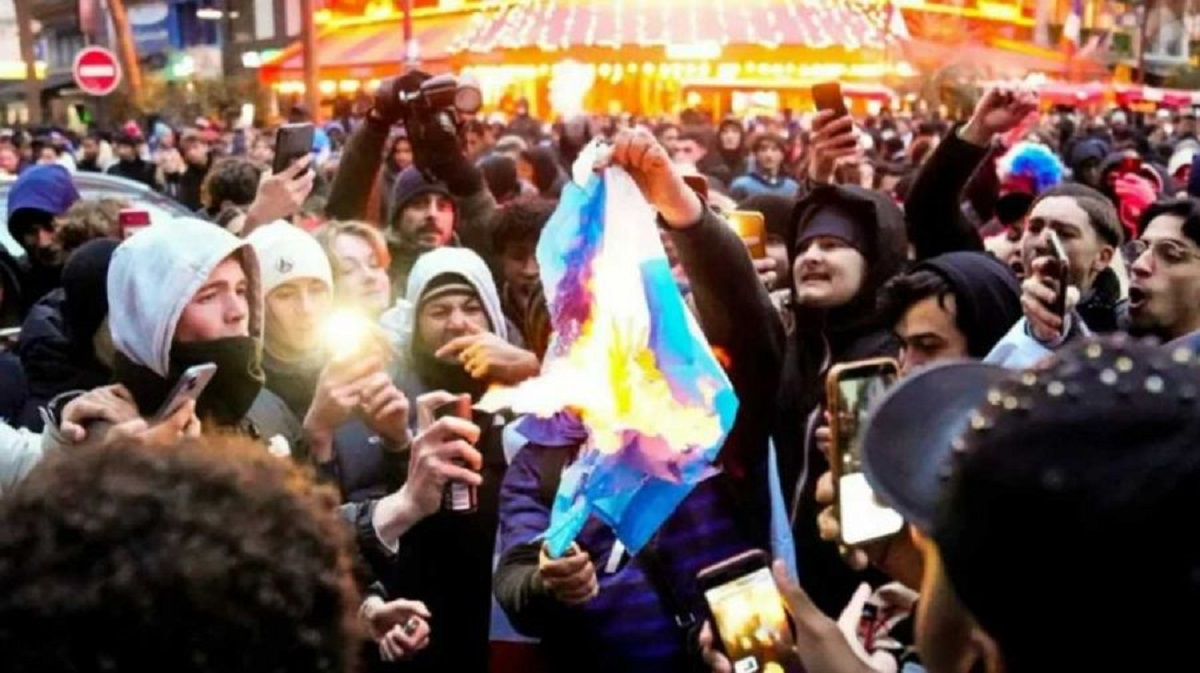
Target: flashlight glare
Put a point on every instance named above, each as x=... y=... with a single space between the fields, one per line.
x=346 y=332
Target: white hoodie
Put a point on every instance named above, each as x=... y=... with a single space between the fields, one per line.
x=400 y=320
x=153 y=276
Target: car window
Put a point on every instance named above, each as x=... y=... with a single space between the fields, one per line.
x=161 y=210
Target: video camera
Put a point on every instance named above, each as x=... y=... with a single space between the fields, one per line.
x=443 y=98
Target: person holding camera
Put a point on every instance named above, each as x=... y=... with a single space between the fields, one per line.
x=442 y=199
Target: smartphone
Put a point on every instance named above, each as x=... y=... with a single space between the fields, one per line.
x=132 y=220
x=1061 y=270
x=292 y=142
x=748 y=612
x=699 y=184
x=828 y=96
x=752 y=228
x=189 y=387
x=851 y=391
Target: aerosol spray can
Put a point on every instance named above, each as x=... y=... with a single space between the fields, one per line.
x=458 y=497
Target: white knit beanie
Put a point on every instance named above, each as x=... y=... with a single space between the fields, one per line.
x=286 y=253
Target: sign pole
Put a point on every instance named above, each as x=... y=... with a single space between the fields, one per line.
x=33 y=88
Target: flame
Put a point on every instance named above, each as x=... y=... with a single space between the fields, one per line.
x=723 y=357
x=609 y=376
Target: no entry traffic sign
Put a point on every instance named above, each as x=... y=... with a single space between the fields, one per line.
x=96 y=71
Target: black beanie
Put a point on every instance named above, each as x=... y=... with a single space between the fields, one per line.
x=85 y=289
x=410 y=184
x=835 y=221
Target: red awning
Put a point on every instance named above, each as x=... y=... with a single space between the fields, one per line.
x=996 y=62
x=559 y=25
x=1172 y=98
x=367 y=50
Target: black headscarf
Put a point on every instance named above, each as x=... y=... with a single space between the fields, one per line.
x=876 y=231
x=987 y=296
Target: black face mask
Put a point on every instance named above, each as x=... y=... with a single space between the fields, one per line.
x=228 y=396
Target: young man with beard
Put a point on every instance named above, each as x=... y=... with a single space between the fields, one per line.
x=355 y=420
x=40 y=196
x=1164 y=292
x=441 y=200
x=451 y=335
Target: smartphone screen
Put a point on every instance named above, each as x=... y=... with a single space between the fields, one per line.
x=132 y=220
x=854 y=390
x=292 y=142
x=1061 y=271
x=751 y=227
x=828 y=96
x=749 y=616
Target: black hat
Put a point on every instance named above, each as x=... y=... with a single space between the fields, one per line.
x=410 y=184
x=1055 y=495
x=988 y=296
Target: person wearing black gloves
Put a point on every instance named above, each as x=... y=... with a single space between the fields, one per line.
x=440 y=167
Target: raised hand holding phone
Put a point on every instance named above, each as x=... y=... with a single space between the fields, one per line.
x=752 y=628
x=1046 y=295
x=851 y=390
x=833 y=137
x=820 y=644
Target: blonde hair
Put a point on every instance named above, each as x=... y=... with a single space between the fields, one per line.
x=327 y=234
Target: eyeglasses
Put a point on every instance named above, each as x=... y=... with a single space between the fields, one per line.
x=1167 y=252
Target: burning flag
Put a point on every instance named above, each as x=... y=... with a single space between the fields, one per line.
x=629 y=376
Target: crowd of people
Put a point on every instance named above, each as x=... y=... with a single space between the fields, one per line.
x=1035 y=274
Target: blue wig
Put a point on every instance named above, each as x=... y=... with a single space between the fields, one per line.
x=1033 y=161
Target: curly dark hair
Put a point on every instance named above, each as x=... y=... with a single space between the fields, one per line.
x=520 y=221
x=232 y=181
x=208 y=556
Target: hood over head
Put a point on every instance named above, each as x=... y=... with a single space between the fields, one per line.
x=400 y=321
x=154 y=275
x=47 y=189
x=876 y=226
x=987 y=296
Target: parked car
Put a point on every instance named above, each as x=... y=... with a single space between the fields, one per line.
x=99 y=185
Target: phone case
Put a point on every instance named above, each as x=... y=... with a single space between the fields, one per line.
x=828 y=96
x=838 y=441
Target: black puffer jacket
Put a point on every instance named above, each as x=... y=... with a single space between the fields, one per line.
x=54 y=363
x=822 y=339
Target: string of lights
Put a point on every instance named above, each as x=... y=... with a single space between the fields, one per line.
x=560 y=25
